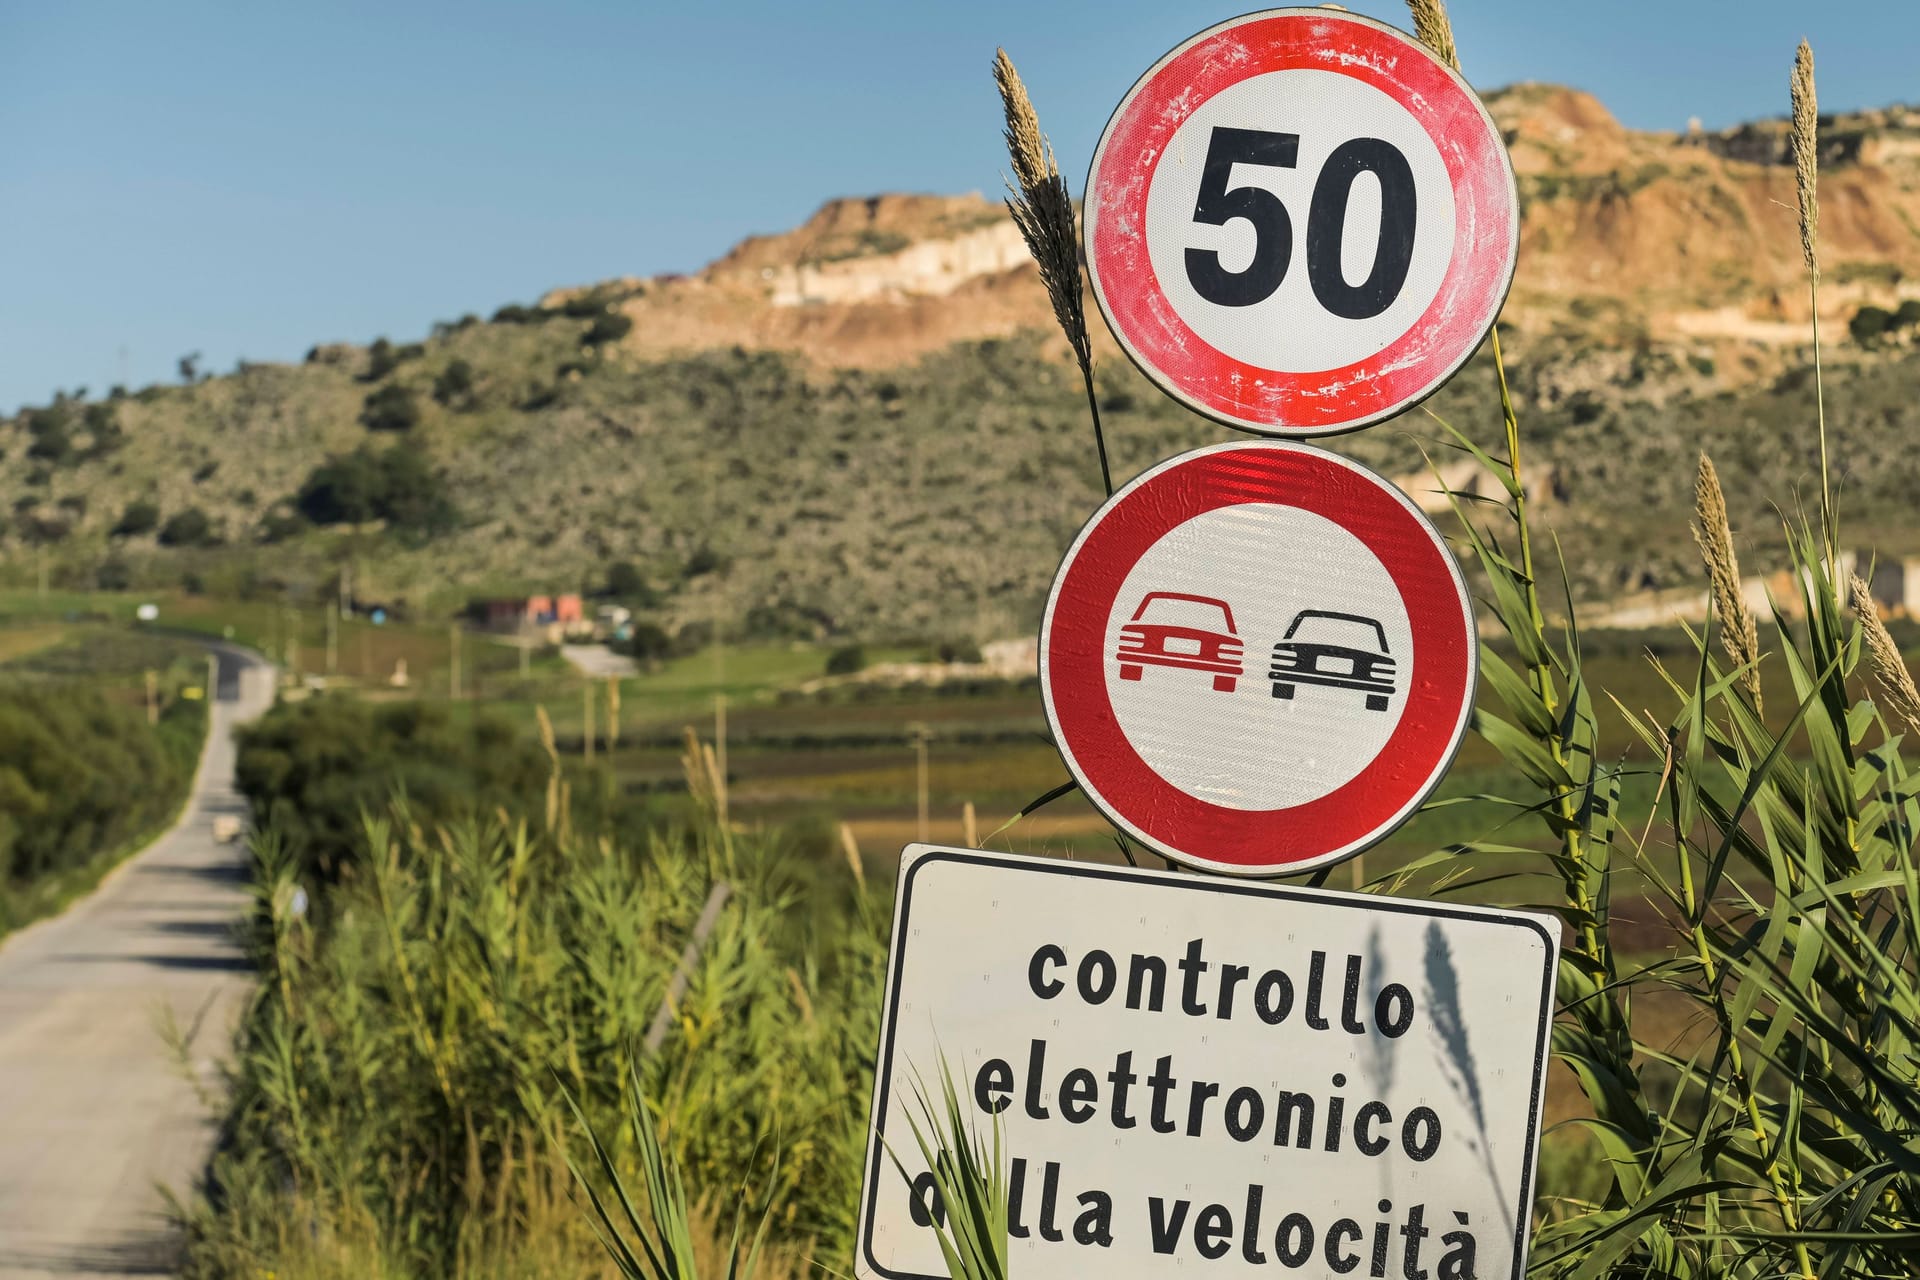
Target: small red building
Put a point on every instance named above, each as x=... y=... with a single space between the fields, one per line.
x=523 y=613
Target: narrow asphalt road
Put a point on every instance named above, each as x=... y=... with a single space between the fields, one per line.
x=95 y=1115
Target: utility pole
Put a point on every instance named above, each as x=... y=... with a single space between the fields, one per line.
x=586 y=717
x=153 y=697
x=920 y=752
x=720 y=735
x=453 y=671
x=613 y=714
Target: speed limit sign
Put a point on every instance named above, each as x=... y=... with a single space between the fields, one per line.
x=1301 y=222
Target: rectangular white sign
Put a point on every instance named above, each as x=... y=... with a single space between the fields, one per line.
x=1201 y=1077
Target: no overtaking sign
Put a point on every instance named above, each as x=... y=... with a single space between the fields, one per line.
x=1258 y=658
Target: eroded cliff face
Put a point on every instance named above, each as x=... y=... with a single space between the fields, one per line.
x=1644 y=256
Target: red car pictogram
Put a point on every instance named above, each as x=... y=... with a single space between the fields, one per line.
x=1160 y=643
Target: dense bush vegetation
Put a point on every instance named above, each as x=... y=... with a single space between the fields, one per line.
x=81 y=774
x=1870 y=324
x=316 y=769
x=397 y=485
x=396 y=1106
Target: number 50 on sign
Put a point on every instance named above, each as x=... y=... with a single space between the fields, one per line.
x=1301 y=222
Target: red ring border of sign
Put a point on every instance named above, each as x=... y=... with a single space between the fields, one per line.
x=1073 y=669
x=1205 y=378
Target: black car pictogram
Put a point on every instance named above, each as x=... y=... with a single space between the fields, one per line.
x=1336 y=651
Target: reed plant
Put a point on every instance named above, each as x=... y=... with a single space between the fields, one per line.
x=1776 y=1135
x=397 y=1097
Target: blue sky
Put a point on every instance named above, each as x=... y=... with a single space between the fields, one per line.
x=246 y=180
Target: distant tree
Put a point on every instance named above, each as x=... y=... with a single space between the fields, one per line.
x=391 y=408
x=103 y=426
x=1908 y=315
x=189 y=366
x=1869 y=324
x=454 y=386
x=647 y=642
x=113 y=574
x=189 y=528
x=846 y=660
x=413 y=497
x=345 y=489
x=381 y=360
x=137 y=518
x=514 y=313
x=279 y=524
x=624 y=581
x=41 y=530
x=398 y=486
x=51 y=442
x=608 y=326
x=702 y=562
x=957 y=651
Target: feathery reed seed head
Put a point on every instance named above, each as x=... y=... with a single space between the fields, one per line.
x=1043 y=209
x=1883 y=655
x=1806 y=154
x=1738 y=630
x=1431 y=25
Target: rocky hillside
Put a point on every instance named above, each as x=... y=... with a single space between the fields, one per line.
x=1686 y=242
x=863 y=426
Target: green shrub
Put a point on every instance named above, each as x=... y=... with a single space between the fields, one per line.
x=413 y=498
x=647 y=642
x=846 y=660
x=114 y=574
x=189 y=528
x=391 y=408
x=51 y=440
x=454 y=386
x=382 y=360
x=626 y=583
x=1869 y=324
x=103 y=428
x=514 y=313
x=345 y=489
x=279 y=524
x=136 y=518
x=608 y=326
